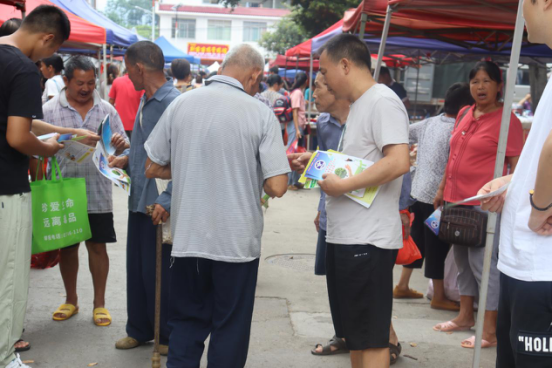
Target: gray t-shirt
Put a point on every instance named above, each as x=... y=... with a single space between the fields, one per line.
x=377 y=119
x=220 y=157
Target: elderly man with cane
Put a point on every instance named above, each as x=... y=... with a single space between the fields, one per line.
x=221 y=147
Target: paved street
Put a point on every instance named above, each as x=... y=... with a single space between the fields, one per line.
x=291 y=310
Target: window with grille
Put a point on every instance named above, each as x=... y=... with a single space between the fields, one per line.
x=219 y=30
x=183 y=28
x=252 y=31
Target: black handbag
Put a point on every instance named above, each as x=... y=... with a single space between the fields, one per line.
x=462 y=225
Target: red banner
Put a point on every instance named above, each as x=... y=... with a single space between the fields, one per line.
x=207 y=51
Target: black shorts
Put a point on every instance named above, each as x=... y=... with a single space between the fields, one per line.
x=360 y=289
x=102 y=228
x=524 y=325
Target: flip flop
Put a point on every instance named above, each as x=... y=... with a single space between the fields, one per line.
x=68 y=309
x=336 y=342
x=394 y=350
x=449 y=326
x=26 y=348
x=470 y=343
x=101 y=313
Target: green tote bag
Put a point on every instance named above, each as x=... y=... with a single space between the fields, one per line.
x=60 y=212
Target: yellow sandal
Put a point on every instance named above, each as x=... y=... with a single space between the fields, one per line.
x=101 y=313
x=68 y=309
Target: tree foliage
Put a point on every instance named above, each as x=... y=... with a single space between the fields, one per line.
x=126 y=13
x=315 y=16
x=286 y=34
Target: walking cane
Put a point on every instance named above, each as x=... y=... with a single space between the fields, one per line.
x=156 y=358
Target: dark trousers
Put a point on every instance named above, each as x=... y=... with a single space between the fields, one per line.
x=141 y=253
x=210 y=297
x=433 y=249
x=524 y=325
x=320 y=261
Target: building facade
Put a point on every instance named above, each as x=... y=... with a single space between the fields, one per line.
x=206 y=29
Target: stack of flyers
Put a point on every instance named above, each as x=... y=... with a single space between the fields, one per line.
x=327 y=162
x=104 y=148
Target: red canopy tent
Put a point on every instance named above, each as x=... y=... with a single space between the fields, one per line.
x=304 y=49
x=19 y=4
x=83 y=33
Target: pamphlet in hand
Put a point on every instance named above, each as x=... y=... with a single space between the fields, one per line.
x=433 y=222
x=332 y=162
x=105 y=133
x=103 y=150
x=497 y=192
x=74 y=151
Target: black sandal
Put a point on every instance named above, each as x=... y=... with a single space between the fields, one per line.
x=26 y=348
x=339 y=347
x=394 y=350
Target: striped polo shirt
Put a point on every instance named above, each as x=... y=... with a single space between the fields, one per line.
x=222 y=145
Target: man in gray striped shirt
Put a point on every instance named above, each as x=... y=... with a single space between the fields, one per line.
x=221 y=147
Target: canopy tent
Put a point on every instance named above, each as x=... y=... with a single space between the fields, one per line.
x=171 y=52
x=305 y=49
x=19 y=4
x=115 y=34
x=282 y=61
x=83 y=33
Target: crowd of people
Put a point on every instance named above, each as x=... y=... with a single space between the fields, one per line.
x=163 y=130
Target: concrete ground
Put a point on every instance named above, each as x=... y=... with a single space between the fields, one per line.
x=291 y=311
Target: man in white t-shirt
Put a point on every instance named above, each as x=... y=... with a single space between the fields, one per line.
x=362 y=243
x=524 y=325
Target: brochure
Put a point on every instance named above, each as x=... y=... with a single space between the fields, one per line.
x=344 y=166
x=105 y=133
x=77 y=152
x=104 y=149
x=118 y=176
x=499 y=191
x=434 y=221
x=62 y=137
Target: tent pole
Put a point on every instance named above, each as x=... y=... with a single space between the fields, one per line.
x=153 y=21
x=418 y=66
x=111 y=53
x=104 y=74
x=363 y=20
x=383 y=41
x=310 y=95
x=499 y=167
x=285 y=74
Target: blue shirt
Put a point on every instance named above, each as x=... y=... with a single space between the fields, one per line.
x=328 y=131
x=143 y=191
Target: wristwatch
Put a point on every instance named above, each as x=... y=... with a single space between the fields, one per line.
x=531 y=192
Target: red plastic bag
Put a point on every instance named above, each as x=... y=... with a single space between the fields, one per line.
x=295 y=148
x=409 y=252
x=45 y=260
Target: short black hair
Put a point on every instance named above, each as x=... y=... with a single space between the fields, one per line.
x=457 y=96
x=202 y=73
x=48 y=19
x=10 y=26
x=56 y=61
x=274 y=79
x=78 y=62
x=147 y=53
x=180 y=68
x=350 y=47
x=274 y=70
x=385 y=71
x=492 y=70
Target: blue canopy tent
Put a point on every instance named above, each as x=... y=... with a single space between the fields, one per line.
x=171 y=52
x=116 y=35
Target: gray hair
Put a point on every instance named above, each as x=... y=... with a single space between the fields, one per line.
x=78 y=62
x=244 y=56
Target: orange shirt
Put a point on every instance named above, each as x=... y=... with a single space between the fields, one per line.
x=473 y=148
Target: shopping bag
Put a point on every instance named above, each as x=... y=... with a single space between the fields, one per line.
x=409 y=252
x=59 y=212
x=295 y=148
x=45 y=260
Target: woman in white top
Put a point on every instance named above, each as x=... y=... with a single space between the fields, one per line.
x=51 y=69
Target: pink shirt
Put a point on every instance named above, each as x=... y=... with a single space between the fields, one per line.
x=298 y=102
x=127 y=100
x=473 y=148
